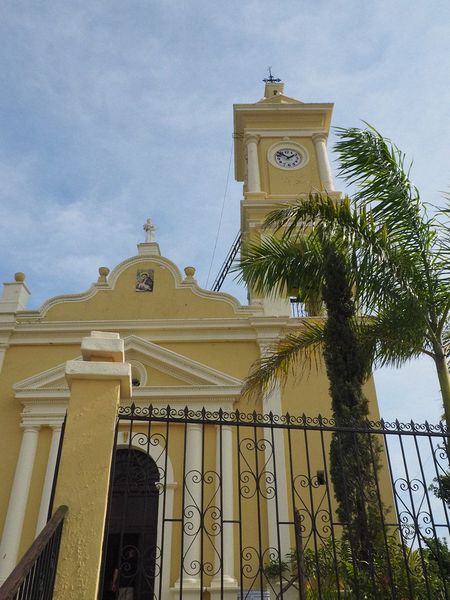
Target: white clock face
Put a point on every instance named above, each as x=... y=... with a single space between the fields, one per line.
x=288 y=158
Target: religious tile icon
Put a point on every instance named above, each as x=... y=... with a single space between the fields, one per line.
x=144 y=281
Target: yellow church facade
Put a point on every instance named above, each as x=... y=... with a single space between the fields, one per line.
x=146 y=336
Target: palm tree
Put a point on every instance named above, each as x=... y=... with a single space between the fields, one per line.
x=315 y=265
x=399 y=256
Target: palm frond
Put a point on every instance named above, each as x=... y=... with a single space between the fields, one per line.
x=380 y=269
x=442 y=242
x=377 y=168
x=294 y=353
x=393 y=336
x=276 y=266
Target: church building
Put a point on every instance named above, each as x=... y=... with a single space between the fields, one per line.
x=175 y=485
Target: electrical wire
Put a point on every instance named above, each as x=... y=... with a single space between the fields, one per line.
x=221 y=215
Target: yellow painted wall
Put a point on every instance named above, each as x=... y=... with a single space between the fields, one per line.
x=124 y=303
x=233 y=357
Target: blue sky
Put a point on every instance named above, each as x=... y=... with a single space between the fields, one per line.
x=112 y=112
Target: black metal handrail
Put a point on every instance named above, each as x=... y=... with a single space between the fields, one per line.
x=227 y=264
x=55 y=477
x=34 y=575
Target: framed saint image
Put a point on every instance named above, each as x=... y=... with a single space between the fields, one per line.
x=144 y=280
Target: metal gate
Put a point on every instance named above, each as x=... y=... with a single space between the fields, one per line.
x=237 y=505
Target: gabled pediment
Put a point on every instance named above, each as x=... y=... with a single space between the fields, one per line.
x=181 y=371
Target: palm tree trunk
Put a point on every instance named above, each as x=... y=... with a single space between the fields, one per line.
x=352 y=468
x=444 y=381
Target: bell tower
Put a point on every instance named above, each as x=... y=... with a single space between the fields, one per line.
x=280 y=152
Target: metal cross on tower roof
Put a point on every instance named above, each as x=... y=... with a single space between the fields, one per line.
x=271 y=78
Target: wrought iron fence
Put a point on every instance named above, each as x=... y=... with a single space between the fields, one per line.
x=263 y=506
x=34 y=576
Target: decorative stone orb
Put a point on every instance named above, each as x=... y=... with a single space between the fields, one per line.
x=19 y=277
x=103 y=272
x=189 y=271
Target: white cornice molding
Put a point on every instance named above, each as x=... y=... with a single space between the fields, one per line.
x=234 y=332
x=296 y=107
x=36 y=315
x=175 y=330
x=158 y=336
x=196 y=322
x=269 y=133
x=197 y=329
x=43 y=413
x=52 y=395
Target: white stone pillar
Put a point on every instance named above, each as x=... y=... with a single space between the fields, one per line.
x=320 y=142
x=276 y=462
x=253 y=178
x=12 y=531
x=224 y=468
x=192 y=534
x=48 y=480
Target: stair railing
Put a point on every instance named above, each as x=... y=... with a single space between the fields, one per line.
x=34 y=575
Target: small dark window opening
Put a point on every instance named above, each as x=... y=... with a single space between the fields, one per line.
x=321 y=478
x=136 y=382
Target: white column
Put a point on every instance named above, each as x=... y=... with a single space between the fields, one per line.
x=192 y=507
x=253 y=178
x=276 y=460
x=12 y=531
x=320 y=142
x=224 y=467
x=48 y=480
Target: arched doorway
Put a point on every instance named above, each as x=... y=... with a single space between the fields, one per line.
x=130 y=542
